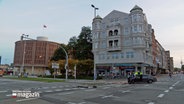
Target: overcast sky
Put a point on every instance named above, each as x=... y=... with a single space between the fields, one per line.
x=64 y=19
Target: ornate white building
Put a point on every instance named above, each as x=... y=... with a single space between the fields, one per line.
x=122 y=42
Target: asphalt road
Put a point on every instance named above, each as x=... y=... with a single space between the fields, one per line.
x=165 y=91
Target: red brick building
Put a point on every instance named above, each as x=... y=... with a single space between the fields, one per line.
x=34 y=55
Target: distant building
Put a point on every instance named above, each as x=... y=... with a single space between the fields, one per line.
x=0 y=60
x=169 y=60
x=34 y=55
x=124 y=42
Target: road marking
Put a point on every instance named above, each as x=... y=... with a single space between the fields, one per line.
x=26 y=99
x=170 y=88
x=45 y=87
x=58 y=90
x=60 y=86
x=39 y=91
x=106 y=88
x=3 y=91
x=67 y=93
x=146 y=85
x=161 y=95
x=49 y=91
x=54 y=87
x=151 y=103
x=9 y=95
x=76 y=103
x=126 y=91
x=67 y=89
x=90 y=90
x=166 y=91
x=107 y=96
x=82 y=103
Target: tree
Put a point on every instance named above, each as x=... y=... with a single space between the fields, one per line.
x=59 y=53
x=83 y=48
x=182 y=67
x=72 y=47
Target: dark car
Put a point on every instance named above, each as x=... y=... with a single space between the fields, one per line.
x=142 y=78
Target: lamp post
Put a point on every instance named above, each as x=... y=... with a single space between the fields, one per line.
x=24 y=46
x=95 y=8
x=66 y=64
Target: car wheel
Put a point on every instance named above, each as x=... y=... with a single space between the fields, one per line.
x=150 y=81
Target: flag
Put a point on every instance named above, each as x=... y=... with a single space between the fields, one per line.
x=44 y=26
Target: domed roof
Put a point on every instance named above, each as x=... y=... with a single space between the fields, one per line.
x=98 y=17
x=136 y=8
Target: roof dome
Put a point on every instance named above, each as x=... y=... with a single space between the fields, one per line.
x=98 y=17
x=136 y=8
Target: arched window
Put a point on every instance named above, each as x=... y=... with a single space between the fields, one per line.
x=110 y=33
x=115 y=32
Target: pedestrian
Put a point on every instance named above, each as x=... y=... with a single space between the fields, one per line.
x=170 y=74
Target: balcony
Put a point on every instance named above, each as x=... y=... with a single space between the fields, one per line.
x=139 y=46
x=113 y=48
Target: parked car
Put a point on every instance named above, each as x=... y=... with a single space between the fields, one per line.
x=142 y=78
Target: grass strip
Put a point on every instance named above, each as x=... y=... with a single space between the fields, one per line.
x=49 y=80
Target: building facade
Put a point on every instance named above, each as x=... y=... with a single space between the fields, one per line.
x=33 y=55
x=125 y=42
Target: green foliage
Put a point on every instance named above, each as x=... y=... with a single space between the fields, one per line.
x=182 y=67
x=80 y=48
x=59 y=53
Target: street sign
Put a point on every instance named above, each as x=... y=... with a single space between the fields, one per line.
x=55 y=65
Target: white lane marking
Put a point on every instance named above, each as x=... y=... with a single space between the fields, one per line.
x=151 y=103
x=3 y=91
x=67 y=93
x=146 y=85
x=166 y=91
x=67 y=89
x=26 y=99
x=170 y=88
x=107 y=96
x=45 y=87
x=48 y=91
x=161 y=95
x=126 y=91
x=54 y=87
x=90 y=90
x=58 y=90
x=39 y=91
x=82 y=103
x=106 y=88
x=9 y=95
x=173 y=85
x=60 y=86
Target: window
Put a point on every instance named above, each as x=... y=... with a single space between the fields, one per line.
x=126 y=31
x=140 y=28
x=135 y=28
x=115 y=56
x=115 y=43
x=115 y=32
x=122 y=55
x=110 y=33
x=110 y=43
x=103 y=45
x=129 y=55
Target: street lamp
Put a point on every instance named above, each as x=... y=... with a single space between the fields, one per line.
x=66 y=64
x=24 y=46
x=95 y=8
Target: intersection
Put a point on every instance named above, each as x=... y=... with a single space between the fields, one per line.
x=165 y=91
